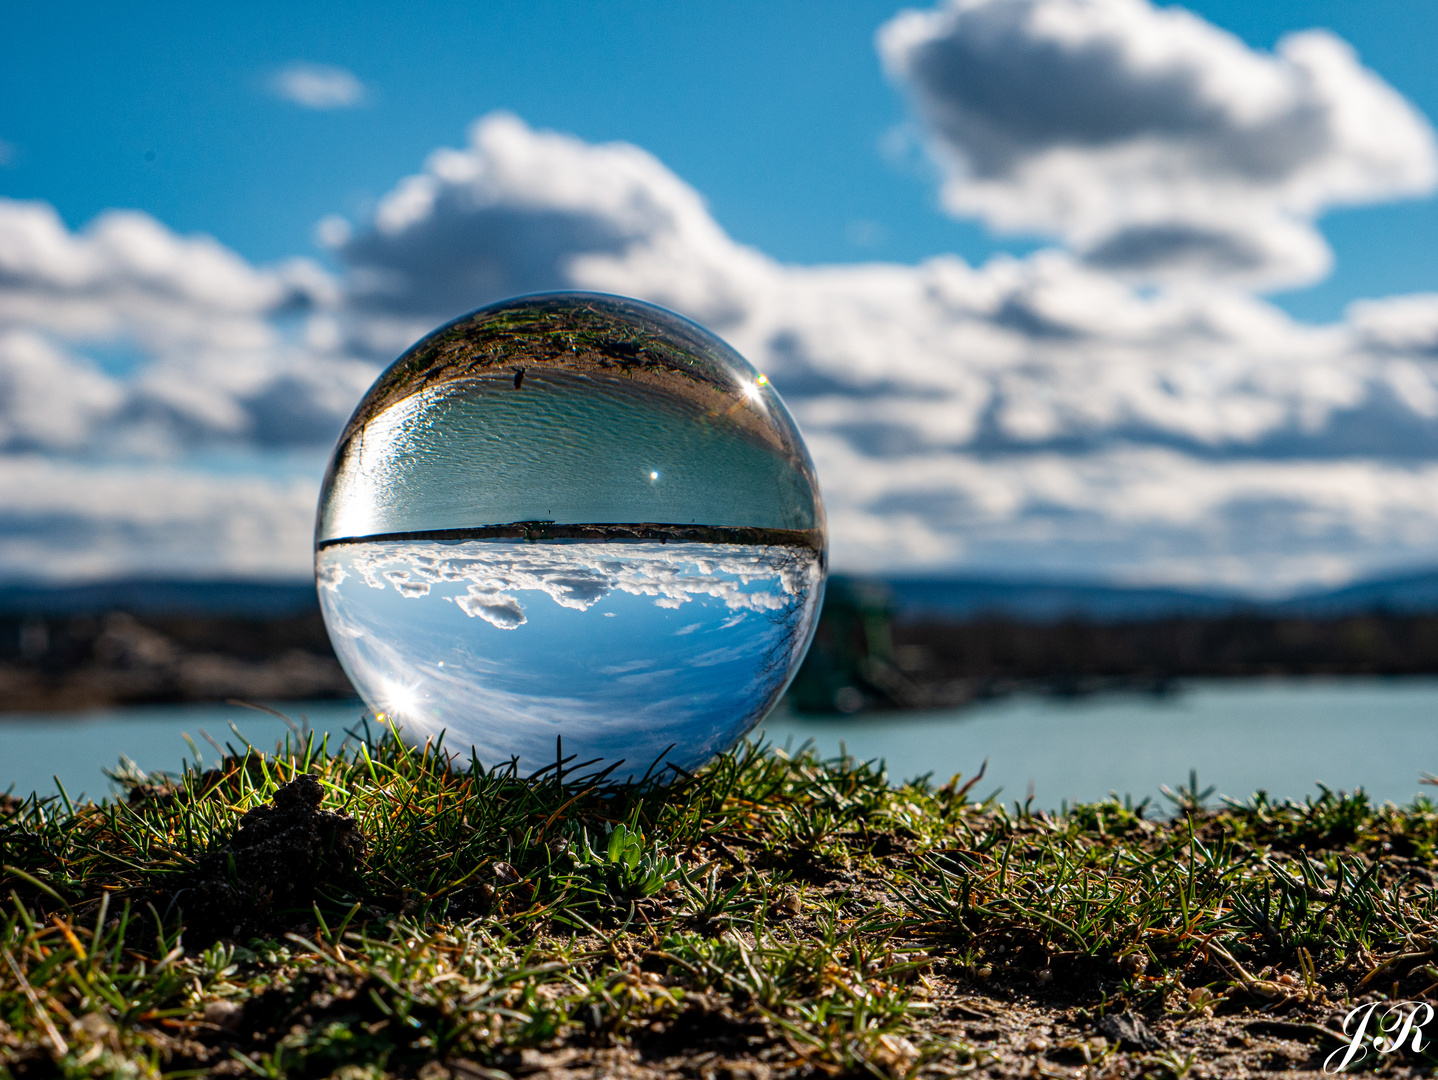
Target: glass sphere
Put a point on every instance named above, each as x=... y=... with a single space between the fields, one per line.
x=571 y=516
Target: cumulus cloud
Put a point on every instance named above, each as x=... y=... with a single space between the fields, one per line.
x=1154 y=143
x=69 y=519
x=126 y=353
x=52 y=401
x=318 y=86
x=519 y=211
x=1023 y=413
x=1142 y=514
x=1017 y=355
x=198 y=338
x=1400 y=325
x=578 y=576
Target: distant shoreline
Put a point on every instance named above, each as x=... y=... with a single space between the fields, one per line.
x=868 y=655
x=116 y=658
x=865 y=655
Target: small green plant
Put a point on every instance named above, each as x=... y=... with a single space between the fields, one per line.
x=1189 y=799
x=631 y=869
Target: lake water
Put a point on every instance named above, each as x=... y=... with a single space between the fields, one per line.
x=1282 y=735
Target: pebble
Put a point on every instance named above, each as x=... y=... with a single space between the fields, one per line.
x=224 y=1014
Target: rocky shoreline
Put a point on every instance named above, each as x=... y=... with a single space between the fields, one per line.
x=80 y=662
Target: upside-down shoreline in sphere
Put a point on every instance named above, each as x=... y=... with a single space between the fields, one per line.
x=571 y=515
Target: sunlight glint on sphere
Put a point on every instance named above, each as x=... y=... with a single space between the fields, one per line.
x=573 y=516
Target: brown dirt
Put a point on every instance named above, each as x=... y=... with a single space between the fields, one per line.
x=270 y=870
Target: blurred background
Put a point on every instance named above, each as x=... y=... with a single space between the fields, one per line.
x=1112 y=328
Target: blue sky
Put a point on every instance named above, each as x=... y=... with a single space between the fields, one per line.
x=777 y=113
x=1063 y=287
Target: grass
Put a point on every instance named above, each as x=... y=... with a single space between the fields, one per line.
x=773 y=915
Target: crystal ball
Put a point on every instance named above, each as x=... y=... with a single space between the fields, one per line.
x=571 y=525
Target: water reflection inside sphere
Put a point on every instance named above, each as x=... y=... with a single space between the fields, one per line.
x=571 y=515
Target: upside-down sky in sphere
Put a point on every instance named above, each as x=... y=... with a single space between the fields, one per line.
x=1076 y=288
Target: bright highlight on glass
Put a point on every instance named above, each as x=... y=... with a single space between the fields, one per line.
x=573 y=516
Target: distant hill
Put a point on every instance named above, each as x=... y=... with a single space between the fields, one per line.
x=1409 y=594
x=253 y=599
x=1047 y=601
x=911 y=597
x=1052 y=601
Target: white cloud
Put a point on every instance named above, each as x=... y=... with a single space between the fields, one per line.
x=1135 y=513
x=1028 y=414
x=1156 y=144
x=1020 y=414
x=1402 y=325
x=74 y=520
x=163 y=403
x=518 y=211
x=206 y=355
x=129 y=253
x=578 y=576
x=1015 y=355
x=52 y=401
x=318 y=86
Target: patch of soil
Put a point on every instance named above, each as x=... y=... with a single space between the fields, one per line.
x=279 y=857
x=704 y=1026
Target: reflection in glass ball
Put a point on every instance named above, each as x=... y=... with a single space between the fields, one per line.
x=575 y=516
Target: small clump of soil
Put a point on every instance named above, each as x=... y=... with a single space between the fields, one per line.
x=270 y=870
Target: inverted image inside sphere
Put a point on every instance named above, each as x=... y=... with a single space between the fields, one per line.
x=573 y=516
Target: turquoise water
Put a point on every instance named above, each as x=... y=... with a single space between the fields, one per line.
x=1281 y=735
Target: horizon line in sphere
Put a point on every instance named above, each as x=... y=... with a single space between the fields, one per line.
x=602 y=532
